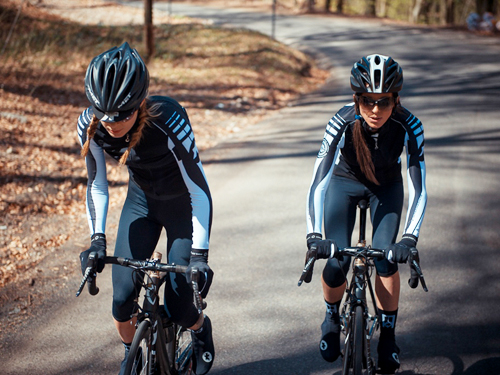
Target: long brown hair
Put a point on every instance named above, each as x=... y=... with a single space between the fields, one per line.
x=147 y=112
x=363 y=154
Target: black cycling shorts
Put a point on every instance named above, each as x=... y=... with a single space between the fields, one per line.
x=342 y=196
x=141 y=222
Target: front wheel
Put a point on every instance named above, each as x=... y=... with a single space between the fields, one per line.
x=139 y=360
x=180 y=350
x=359 y=341
x=354 y=361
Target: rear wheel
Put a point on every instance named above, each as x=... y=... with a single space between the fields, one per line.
x=139 y=359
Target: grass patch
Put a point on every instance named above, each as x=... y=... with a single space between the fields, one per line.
x=189 y=57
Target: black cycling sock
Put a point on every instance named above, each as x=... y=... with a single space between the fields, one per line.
x=333 y=310
x=388 y=323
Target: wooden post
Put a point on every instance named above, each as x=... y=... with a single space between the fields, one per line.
x=148 y=30
x=273 y=20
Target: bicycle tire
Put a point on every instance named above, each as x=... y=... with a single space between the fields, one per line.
x=347 y=359
x=358 y=341
x=139 y=358
x=180 y=350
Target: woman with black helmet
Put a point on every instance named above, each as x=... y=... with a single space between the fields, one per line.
x=360 y=159
x=167 y=188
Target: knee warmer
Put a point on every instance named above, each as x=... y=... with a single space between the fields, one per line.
x=335 y=271
x=385 y=268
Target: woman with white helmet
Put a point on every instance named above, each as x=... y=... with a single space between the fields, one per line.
x=360 y=159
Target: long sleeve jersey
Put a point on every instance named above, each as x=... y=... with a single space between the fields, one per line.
x=165 y=165
x=337 y=156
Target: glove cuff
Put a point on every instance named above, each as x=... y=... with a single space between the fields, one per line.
x=200 y=254
x=97 y=237
x=314 y=236
x=409 y=240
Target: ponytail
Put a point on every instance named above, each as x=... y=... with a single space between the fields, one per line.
x=363 y=154
x=90 y=134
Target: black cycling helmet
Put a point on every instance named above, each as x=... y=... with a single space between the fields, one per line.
x=376 y=74
x=116 y=83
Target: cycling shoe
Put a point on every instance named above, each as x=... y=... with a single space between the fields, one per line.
x=329 y=346
x=388 y=356
x=203 y=348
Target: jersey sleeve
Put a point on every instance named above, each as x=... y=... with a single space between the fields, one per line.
x=417 y=191
x=182 y=144
x=97 y=197
x=333 y=140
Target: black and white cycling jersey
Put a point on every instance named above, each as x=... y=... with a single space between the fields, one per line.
x=337 y=156
x=165 y=165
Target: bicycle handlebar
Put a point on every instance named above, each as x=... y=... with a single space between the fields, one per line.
x=416 y=274
x=145 y=265
x=366 y=252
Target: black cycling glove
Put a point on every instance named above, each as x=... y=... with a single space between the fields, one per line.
x=199 y=260
x=324 y=248
x=318 y=248
x=399 y=252
x=97 y=245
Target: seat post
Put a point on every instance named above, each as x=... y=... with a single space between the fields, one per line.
x=363 y=207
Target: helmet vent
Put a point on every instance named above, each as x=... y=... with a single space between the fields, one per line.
x=377 y=79
x=109 y=84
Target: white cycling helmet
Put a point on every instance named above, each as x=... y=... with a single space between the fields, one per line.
x=376 y=74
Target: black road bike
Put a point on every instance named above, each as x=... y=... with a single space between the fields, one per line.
x=358 y=320
x=159 y=347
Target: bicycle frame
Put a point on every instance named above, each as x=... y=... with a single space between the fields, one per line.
x=163 y=331
x=356 y=302
x=165 y=353
x=151 y=311
x=357 y=324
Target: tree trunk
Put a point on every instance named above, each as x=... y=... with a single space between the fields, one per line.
x=450 y=12
x=310 y=6
x=327 y=6
x=340 y=6
x=149 y=43
x=416 y=11
x=382 y=8
x=372 y=10
x=442 y=12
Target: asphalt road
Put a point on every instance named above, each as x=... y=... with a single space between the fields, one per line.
x=263 y=323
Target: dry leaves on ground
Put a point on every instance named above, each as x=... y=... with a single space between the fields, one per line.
x=42 y=176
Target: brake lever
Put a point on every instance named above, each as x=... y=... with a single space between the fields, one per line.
x=195 y=276
x=308 y=266
x=85 y=277
x=415 y=269
x=89 y=276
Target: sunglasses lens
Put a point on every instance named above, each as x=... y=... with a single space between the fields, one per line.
x=382 y=103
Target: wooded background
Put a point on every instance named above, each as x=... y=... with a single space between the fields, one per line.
x=430 y=12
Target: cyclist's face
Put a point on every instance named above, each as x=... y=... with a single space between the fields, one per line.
x=376 y=108
x=120 y=128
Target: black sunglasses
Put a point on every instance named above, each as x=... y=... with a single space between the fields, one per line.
x=383 y=103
